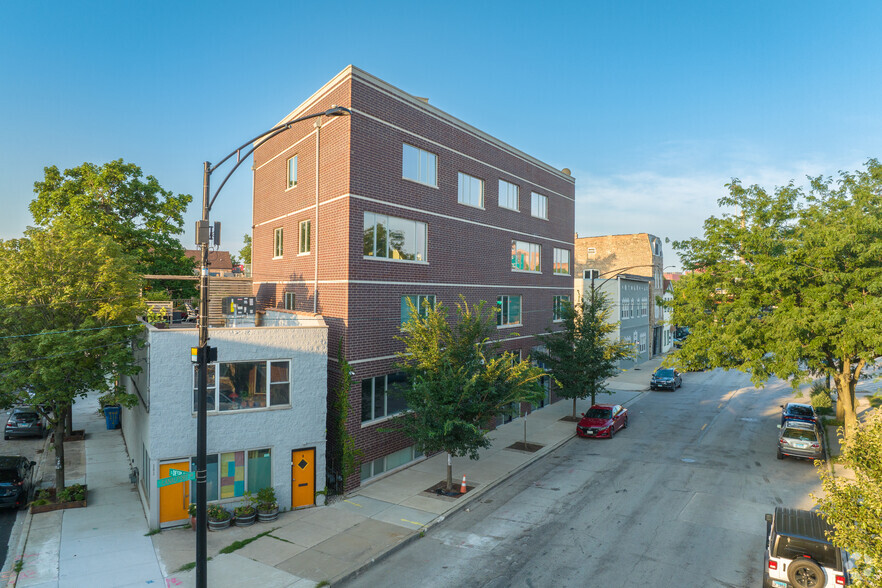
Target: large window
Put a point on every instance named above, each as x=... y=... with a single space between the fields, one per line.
x=539 y=205
x=292 y=171
x=245 y=385
x=508 y=195
x=231 y=474
x=421 y=302
x=561 y=261
x=278 y=242
x=390 y=462
x=557 y=311
x=383 y=396
x=419 y=166
x=509 y=310
x=471 y=191
x=289 y=301
x=526 y=256
x=394 y=238
x=305 y=230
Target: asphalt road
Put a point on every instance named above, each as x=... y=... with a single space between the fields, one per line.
x=677 y=500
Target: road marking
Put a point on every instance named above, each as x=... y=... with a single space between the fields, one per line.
x=413 y=523
x=703 y=426
x=353 y=503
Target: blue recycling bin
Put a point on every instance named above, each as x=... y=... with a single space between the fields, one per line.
x=111 y=416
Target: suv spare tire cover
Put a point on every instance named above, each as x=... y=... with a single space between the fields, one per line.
x=805 y=573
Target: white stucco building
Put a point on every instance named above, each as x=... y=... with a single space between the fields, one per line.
x=266 y=421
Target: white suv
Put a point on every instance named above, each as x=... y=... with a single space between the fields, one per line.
x=798 y=553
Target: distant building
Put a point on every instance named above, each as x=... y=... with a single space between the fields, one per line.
x=668 y=327
x=219 y=262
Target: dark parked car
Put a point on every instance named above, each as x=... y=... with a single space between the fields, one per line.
x=665 y=378
x=15 y=481
x=602 y=420
x=24 y=422
x=799 y=554
x=794 y=411
x=800 y=439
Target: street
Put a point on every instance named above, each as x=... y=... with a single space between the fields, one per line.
x=677 y=499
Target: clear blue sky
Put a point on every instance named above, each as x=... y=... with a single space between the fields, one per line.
x=653 y=105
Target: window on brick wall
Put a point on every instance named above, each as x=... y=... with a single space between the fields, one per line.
x=508 y=310
x=289 y=301
x=390 y=237
x=471 y=191
x=539 y=205
x=561 y=262
x=389 y=462
x=526 y=256
x=419 y=165
x=421 y=303
x=383 y=396
x=508 y=195
x=557 y=308
x=292 y=171
x=278 y=242
x=305 y=232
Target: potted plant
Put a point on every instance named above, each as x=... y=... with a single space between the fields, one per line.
x=218 y=517
x=192 y=512
x=245 y=514
x=267 y=507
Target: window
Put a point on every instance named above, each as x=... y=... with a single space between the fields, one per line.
x=231 y=474
x=421 y=302
x=624 y=308
x=419 y=166
x=509 y=308
x=561 y=262
x=292 y=171
x=389 y=462
x=591 y=251
x=471 y=191
x=508 y=195
x=394 y=238
x=304 y=236
x=539 y=205
x=245 y=385
x=383 y=396
x=278 y=242
x=559 y=301
x=526 y=256
x=289 y=301
x=642 y=342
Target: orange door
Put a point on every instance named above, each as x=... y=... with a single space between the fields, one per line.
x=174 y=499
x=302 y=477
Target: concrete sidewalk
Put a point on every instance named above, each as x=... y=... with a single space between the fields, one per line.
x=107 y=543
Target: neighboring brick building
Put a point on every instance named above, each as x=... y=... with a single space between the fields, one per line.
x=412 y=202
x=639 y=254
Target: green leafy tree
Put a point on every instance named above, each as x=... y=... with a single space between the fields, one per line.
x=790 y=285
x=853 y=506
x=582 y=355
x=245 y=252
x=458 y=380
x=137 y=213
x=68 y=307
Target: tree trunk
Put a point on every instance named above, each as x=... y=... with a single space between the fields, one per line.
x=840 y=404
x=449 y=472
x=574 y=407
x=68 y=422
x=845 y=398
x=59 y=454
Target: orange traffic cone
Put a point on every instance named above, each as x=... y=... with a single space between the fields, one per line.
x=462 y=489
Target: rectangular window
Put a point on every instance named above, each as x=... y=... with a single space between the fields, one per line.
x=246 y=385
x=642 y=342
x=559 y=302
x=624 y=307
x=394 y=238
x=538 y=205
x=471 y=191
x=289 y=300
x=526 y=256
x=508 y=195
x=389 y=462
x=231 y=474
x=561 y=261
x=509 y=308
x=421 y=302
x=419 y=166
x=383 y=396
x=304 y=236
x=292 y=171
x=278 y=242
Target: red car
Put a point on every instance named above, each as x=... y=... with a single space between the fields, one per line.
x=602 y=420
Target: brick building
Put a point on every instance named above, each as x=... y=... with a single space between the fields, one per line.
x=639 y=254
x=355 y=214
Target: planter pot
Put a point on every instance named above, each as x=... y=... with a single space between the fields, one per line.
x=219 y=525
x=246 y=520
x=266 y=516
x=38 y=508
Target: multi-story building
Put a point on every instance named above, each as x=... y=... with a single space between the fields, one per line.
x=355 y=215
x=640 y=254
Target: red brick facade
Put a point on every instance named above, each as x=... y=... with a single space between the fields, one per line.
x=468 y=250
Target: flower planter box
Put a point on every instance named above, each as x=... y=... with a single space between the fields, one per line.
x=38 y=508
x=266 y=516
x=245 y=520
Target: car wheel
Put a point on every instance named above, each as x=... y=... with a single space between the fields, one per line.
x=612 y=430
x=625 y=426
x=804 y=573
x=6 y=437
x=780 y=455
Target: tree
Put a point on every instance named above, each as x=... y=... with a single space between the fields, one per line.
x=245 y=252
x=68 y=307
x=458 y=380
x=854 y=506
x=581 y=356
x=113 y=199
x=789 y=285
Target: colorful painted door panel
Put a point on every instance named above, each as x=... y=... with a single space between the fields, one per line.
x=302 y=478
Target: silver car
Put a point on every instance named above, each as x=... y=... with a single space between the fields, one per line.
x=800 y=439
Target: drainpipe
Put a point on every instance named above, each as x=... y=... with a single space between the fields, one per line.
x=318 y=129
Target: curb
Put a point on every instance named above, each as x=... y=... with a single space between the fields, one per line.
x=469 y=498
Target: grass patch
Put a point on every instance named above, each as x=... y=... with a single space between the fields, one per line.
x=19 y=566
x=235 y=545
x=152 y=532
x=187 y=567
x=280 y=539
x=322 y=584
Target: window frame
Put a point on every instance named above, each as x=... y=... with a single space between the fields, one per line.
x=503 y=317
x=305 y=246
x=557 y=306
x=420 y=300
x=217 y=481
x=289 y=296
x=430 y=157
x=554 y=266
x=374 y=419
x=540 y=201
x=461 y=177
x=213 y=384
x=421 y=229
x=278 y=242
x=531 y=254
x=291 y=178
x=517 y=195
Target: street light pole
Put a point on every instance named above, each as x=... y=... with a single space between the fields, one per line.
x=206 y=354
